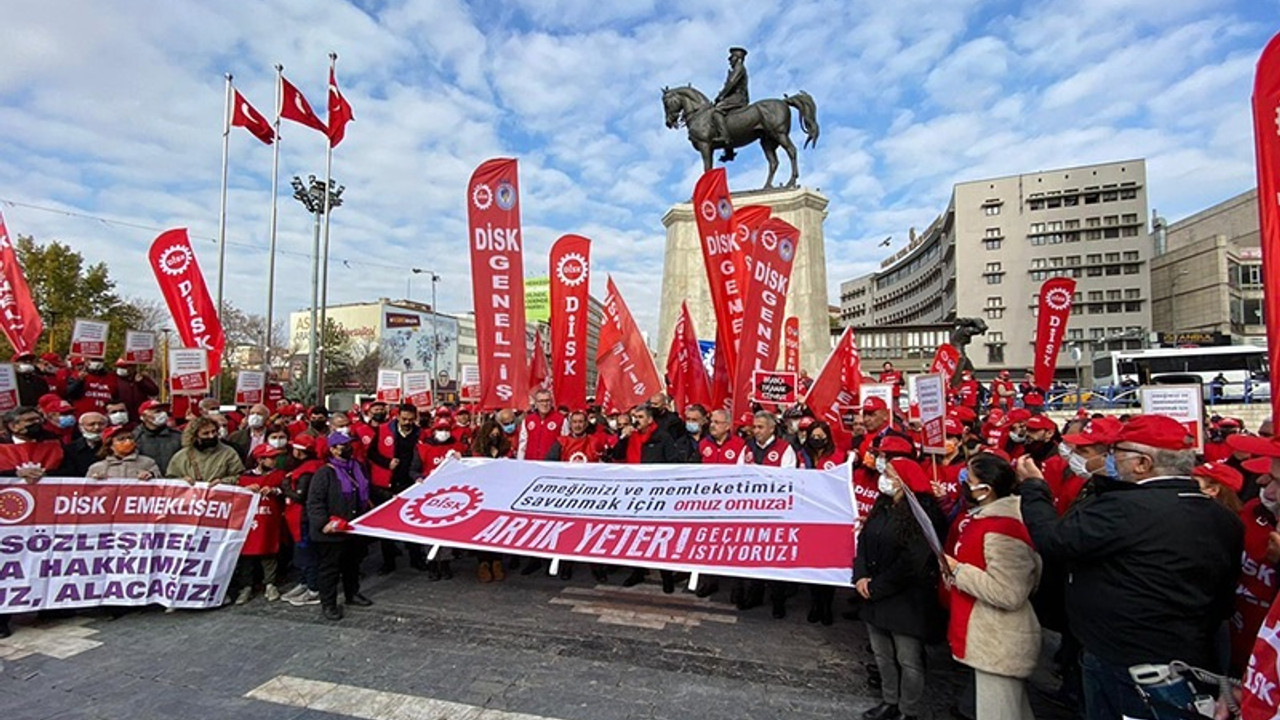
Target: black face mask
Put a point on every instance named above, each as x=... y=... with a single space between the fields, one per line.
x=319 y=424
x=31 y=431
x=818 y=443
x=378 y=417
x=344 y=452
x=206 y=443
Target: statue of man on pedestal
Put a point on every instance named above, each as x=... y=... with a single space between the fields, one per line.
x=733 y=96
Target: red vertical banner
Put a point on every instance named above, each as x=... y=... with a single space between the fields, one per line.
x=194 y=313
x=746 y=228
x=771 y=261
x=686 y=375
x=539 y=375
x=1266 y=138
x=1051 y=327
x=19 y=319
x=570 y=281
x=838 y=384
x=622 y=358
x=721 y=254
x=791 y=344
x=945 y=361
x=497 y=283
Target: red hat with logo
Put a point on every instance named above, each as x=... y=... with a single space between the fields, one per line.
x=995 y=451
x=112 y=431
x=1230 y=423
x=442 y=423
x=1157 y=431
x=952 y=426
x=49 y=402
x=23 y=356
x=873 y=404
x=1099 y=431
x=806 y=422
x=894 y=445
x=1042 y=422
x=122 y=363
x=1255 y=445
x=265 y=451
x=1257 y=466
x=962 y=413
x=1220 y=473
x=151 y=405
x=443 y=411
x=911 y=475
x=1033 y=399
x=1018 y=415
x=303 y=442
x=52 y=358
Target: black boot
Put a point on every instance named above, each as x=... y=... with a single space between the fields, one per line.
x=433 y=570
x=883 y=711
x=332 y=613
x=754 y=595
x=600 y=574
x=668 y=581
x=738 y=592
x=566 y=570
x=635 y=578
x=707 y=589
x=388 y=566
x=4 y=627
x=534 y=566
x=359 y=600
x=446 y=570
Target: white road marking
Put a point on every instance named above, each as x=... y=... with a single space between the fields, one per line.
x=369 y=704
x=644 y=606
x=59 y=639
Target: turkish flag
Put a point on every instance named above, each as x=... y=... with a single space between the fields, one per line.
x=194 y=313
x=539 y=376
x=19 y=318
x=622 y=356
x=686 y=375
x=1266 y=138
x=339 y=111
x=838 y=384
x=294 y=106
x=1056 y=295
x=247 y=116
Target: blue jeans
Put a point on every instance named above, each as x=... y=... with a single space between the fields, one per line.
x=1109 y=692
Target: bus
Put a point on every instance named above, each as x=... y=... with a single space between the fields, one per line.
x=1244 y=367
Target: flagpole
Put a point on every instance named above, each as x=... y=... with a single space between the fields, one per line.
x=324 y=272
x=275 y=191
x=222 y=215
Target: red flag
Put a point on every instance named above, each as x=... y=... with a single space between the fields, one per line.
x=1051 y=328
x=771 y=261
x=19 y=317
x=603 y=399
x=721 y=255
x=791 y=344
x=570 y=281
x=538 y=374
x=247 y=116
x=622 y=357
x=497 y=283
x=746 y=228
x=945 y=361
x=339 y=111
x=687 y=382
x=1266 y=138
x=194 y=313
x=294 y=106
x=1262 y=677
x=838 y=384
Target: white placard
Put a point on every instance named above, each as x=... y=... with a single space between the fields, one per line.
x=389 y=384
x=188 y=371
x=139 y=347
x=931 y=396
x=1183 y=403
x=250 y=387
x=8 y=387
x=89 y=338
x=417 y=389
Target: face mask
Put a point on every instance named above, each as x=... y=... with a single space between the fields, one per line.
x=26 y=368
x=1064 y=451
x=443 y=436
x=1015 y=437
x=122 y=372
x=66 y=421
x=951 y=446
x=1110 y=468
x=344 y=452
x=509 y=428
x=278 y=443
x=378 y=417
x=886 y=485
x=90 y=435
x=345 y=430
x=125 y=447
x=95 y=367
x=978 y=493
x=118 y=418
x=319 y=424
x=206 y=443
x=963 y=478
x=160 y=418
x=881 y=464
x=818 y=442
x=1078 y=464
x=693 y=428
x=1272 y=506
x=256 y=421
x=613 y=424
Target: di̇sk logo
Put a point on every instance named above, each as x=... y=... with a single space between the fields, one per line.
x=572 y=269
x=439 y=508
x=578 y=457
x=730 y=454
x=769 y=239
x=1058 y=299
x=506 y=195
x=175 y=259
x=774 y=456
x=16 y=505
x=708 y=210
x=706 y=452
x=481 y=196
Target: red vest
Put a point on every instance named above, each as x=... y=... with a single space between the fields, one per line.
x=264 y=533
x=46 y=453
x=831 y=460
x=379 y=475
x=1257 y=587
x=970 y=550
x=726 y=453
x=968 y=393
x=770 y=455
x=432 y=454
x=585 y=449
x=98 y=391
x=538 y=433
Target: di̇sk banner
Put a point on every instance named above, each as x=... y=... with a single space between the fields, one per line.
x=74 y=543
x=748 y=521
x=1266 y=139
x=570 y=283
x=771 y=260
x=623 y=361
x=19 y=318
x=194 y=313
x=1051 y=327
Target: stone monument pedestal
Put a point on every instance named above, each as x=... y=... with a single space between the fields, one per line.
x=684 y=276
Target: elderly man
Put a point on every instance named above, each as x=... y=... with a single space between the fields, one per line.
x=206 y=459
x=83 y=451
x=253 y=433
x=155 y=438
x=1153 y=568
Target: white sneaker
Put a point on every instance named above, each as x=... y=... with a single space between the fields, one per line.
x=272 y=593
x=243 y=597
x=310 y=597
x=294 y=592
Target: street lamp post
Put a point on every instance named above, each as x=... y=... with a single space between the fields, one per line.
x=435 y=334
x=312 y=196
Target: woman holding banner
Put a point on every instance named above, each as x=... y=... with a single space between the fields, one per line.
x=338 y=494
x=993 y=628
x=896 y=575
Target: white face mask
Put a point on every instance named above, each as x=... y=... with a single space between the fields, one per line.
x=613 y=424
x=345 y=430
x=122 y=372
x=160 y=418
x=256 y=421
x=26 y=367
x=887 y=485
x=1078 y=465
x=1064 y=451
x=881 y=464
x=118 y=418
x=443 y=435
x=1015 y=437
x=91 y=435
x=278 y=443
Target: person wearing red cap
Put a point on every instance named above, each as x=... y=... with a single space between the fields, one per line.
x=896 y=575
x=1002 y=393
x=96 y=388
x=540 y=428
x=1258 y=578
x=121 y=459
x=1013 y=435
x=1221 y=482
x=59 y=416
x=580 y=445
x=946 y=468
x=890 y=375
x=155 y=438
x=262 y=544
x=993 y=627
x=297 y=482
x=133 y=386
x=968 y=391
x=1153 y=568
x=462 y=430
x=434 y=447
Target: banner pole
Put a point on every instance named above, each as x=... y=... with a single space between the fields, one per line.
x=275 y=192
x=324 y=268
x=222 y=214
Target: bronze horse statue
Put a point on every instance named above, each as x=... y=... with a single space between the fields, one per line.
x=768 y=121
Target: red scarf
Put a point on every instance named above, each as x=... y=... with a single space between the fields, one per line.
x=635 y=444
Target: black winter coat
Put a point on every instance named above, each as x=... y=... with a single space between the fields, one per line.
x=904 y=572
x=1152 y=570
x=325 y=500
x=659 y=448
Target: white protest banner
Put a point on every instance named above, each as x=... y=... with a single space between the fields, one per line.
x=139 y=347
x=769 y=386
x=251 y=386
x=8 y=387
x=388 y=387
x=72 y=543
x=742 y=520
x=469 y=382
x=1183 y=403
x=89 y=338
x=188 y=371
x=931 y=398
x=926 y=525
x=884 y=391
x=417 y=389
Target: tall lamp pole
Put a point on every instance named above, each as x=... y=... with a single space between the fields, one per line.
x=312 y=195
x=435 y=334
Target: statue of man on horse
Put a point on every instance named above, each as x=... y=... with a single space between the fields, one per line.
x=733 y=121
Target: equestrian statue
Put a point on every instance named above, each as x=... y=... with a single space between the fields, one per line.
x=733 y=121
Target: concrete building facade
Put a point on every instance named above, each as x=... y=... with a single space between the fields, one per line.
x=1208 y=279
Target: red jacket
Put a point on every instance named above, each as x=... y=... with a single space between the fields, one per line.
x=432 y=453
x=538 y=433
x=99 y=389
x=1257 y=588
x=586 y=448
x=833 y=459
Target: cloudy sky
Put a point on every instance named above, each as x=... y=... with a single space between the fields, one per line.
x=113 y=110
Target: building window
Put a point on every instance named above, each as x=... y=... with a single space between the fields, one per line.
x=995 y=301
x=1113 y=257
x=995 y=354
x=1128 y=194
x=993 y=232
x=1093 y=258
x=1133 y=307
x=1130 y=254
x=1093 y=222
x=993 y=279
x=1128 y=269
x=1095 y=296
x=1112 y=270
x=1113 y=294
x=1130 y=231
x=1073 y=260
x=1093 y=271
x=1036 y=263
x=994 y=313
x=991 y=209
x=1111 y=233
x=992 y=244
x=1129 y=218
x=1075 y=334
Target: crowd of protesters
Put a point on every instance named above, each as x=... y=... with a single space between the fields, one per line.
x=1111 y=531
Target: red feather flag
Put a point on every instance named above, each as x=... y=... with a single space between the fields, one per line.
x=687 y=382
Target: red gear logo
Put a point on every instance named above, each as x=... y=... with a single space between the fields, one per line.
x=1058 y=299
x=16 y=505
x=481 y=196
x=447 y=506
x=572 y=269
x=175 y=259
